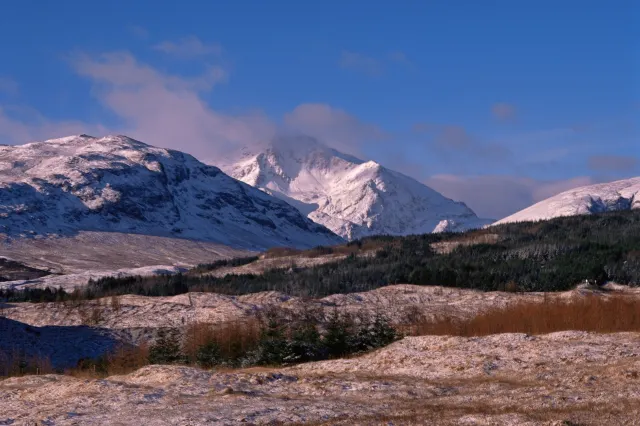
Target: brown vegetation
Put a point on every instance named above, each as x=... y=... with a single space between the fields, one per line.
x=599 y=312
x=594 y=313
x=478 y=237
x=234 y=338
x=276 y=252
x=362 y=246
x=123 y=360
x=115 y=303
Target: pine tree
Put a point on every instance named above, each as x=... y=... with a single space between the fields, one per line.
x=337 y=338
x=273 y=347
x=209 y=355
x=166 y=349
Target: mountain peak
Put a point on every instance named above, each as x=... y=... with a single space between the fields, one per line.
x=352 y=197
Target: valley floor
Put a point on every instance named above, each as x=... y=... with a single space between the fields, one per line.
x=509 y=379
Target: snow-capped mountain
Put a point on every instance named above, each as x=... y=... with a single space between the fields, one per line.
x=117 y=184
x=353 y=198
x=604 y=197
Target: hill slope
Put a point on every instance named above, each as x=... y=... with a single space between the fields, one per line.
x=550 y=256
x=62 y=187
x=605 y=197
x=351 y=197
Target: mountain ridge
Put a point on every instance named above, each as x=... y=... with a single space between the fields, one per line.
x=352 y=197
x=591 y=199
x=63 y=186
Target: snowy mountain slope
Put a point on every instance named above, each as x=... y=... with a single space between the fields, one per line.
x=613 y=196
x=62 y=187
x=110 y=251
x=351 y=197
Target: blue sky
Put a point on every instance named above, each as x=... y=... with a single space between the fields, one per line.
x=497 y=103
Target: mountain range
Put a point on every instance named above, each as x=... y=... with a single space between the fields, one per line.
x=351 y=197
x=101 y=193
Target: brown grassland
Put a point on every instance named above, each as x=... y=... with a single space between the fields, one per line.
x=592 y=312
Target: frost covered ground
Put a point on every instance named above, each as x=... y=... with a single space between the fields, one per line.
x=135 y=319
x=510 y=379
x=71 y=281
x=395 y=302
x=108 y=251
x=179 y=256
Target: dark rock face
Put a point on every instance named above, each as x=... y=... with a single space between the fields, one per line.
x=601 y=206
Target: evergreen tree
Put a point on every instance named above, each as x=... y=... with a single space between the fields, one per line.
x=209 y=355
x=166 y=349
x=305 y=344
x=273 y=347
x=337 y=338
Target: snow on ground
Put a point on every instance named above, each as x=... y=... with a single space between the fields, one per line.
x=71 y=281
x=397 y=302
x=510 y=379
x=108 y=251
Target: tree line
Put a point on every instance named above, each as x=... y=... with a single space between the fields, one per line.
x=553 y=255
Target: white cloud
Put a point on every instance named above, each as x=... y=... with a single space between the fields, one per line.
x=121 y=70
x=167 y=110
x=371 y=66
x=139 y=32
x=334 y=127
x=613 y=163
x=361 y=63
